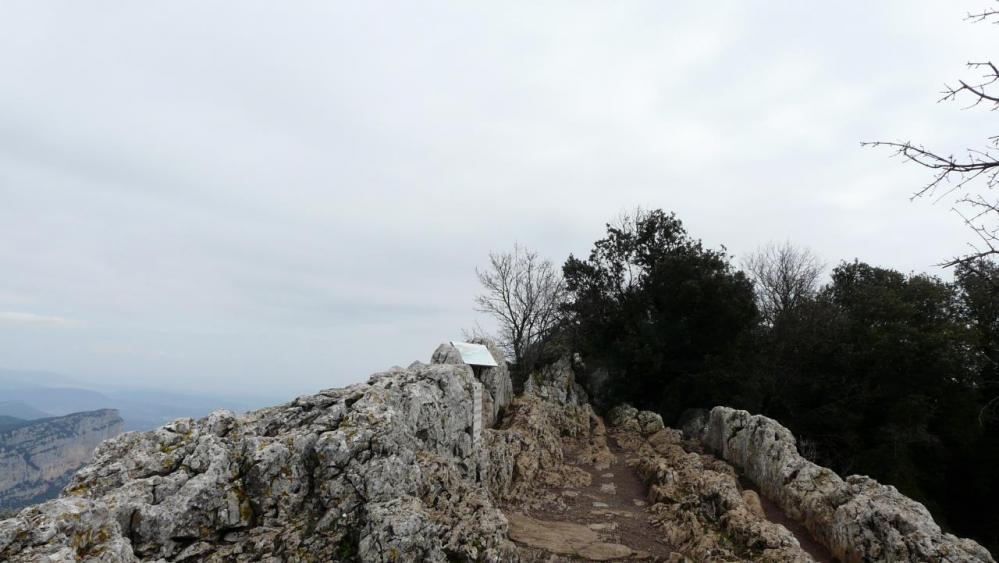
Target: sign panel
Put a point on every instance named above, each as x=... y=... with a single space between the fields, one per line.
x=474 y=354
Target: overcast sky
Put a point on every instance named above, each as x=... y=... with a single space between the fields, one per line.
x=277 y=197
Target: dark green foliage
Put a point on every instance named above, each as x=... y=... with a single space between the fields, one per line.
x=881 y=373
x=973 y=474
x=661 y=312
x=876 y=378
x=885 y=374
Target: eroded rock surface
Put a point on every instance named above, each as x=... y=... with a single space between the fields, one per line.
x=629 y=488
x=695 y=499
x=383 y=471
x=496 y=384
x=857 y=518
x=527 y=450
x=557 y=383
x=401 y=469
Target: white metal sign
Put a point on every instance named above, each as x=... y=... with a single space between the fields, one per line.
x=475 y=354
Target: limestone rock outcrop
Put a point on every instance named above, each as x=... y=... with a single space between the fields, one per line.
x=496 y=383
x=382 y=471
x=526 y=450
x=857 y=518
x=402 y=468
x=39 y=457
x=390 y=470
x=557 y=382
x=696 y=499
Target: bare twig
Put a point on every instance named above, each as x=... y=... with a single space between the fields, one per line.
x=524 y=294
x=977 y=166
x=783 y=276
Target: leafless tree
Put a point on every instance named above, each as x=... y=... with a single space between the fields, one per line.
x=783 y=276
x=971 y=176
x=524 y=293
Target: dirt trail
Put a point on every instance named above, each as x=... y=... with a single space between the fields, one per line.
x=603 y=520
x=605 y=517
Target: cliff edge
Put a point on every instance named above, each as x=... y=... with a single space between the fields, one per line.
x=39 y=457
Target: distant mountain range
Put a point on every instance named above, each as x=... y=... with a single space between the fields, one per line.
x=32 y=395
x=22 y=410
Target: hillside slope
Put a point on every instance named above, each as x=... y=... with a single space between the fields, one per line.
x=38 y=457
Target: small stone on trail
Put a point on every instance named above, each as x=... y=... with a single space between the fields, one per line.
x=608 y=488
x=638 y=502
x=600 y=505
x=611 y=512
x=570 y=494
x=604 y=527
x=605 y=551
x=607 y=476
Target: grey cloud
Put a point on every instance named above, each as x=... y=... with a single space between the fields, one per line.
x=291 y=197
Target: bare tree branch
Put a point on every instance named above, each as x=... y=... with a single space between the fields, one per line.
x=977 y=166
x=783 y=276
x=983 y=15
x=524 y=293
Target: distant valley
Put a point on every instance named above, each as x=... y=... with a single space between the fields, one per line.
x=30 y=395
x=50 y=425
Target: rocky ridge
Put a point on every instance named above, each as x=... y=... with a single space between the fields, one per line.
x=434 y=462
x=374 y=471
x=39 y=457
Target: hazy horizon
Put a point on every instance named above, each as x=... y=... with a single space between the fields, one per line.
x=278 y=199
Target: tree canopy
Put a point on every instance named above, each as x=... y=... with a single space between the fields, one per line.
x=658 y=310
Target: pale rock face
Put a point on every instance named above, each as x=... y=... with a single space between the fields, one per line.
x=556 y=382
x=496 y=381
x=696 y=499
x=43 y=454
x=446 y=354
x=527 y=448
x=497 y=387
x=382 y=471
x=67 y=526
x=858 y=519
